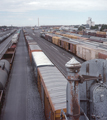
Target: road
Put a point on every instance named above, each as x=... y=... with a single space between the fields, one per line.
x=56 y=54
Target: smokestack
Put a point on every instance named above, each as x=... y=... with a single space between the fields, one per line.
x=72 y=91
x=38 y=21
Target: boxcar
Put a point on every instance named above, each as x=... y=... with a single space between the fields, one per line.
x=46 y=36
x=33 y=48
x=102 y=55
x=63 y=42
x=50 y=37
x=55 y=40
x=87 y=52
x=49 y=78
x=52 y=88
x=39 y=59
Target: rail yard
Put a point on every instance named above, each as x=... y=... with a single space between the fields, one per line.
x=53 y=75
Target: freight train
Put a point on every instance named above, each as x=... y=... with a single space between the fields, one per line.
x=86 y=33
x=94 y=33
x=48 y=79
x=82 y=48
x=82 y=96
x=79 y=36
x=6 y=36
x=6 y=65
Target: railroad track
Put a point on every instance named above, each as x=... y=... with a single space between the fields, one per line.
x=56 y=54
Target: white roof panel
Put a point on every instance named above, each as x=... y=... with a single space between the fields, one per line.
x=41 y=59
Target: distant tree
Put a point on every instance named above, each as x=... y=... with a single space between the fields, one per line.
x=103 y=27
x=94 y=27
x=4 y=27
x=75 y=26
x=81 y=28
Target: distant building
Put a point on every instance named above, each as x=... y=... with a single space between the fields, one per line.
x=90 y=22
x=68 y=28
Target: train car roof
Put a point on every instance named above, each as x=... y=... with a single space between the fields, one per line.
x=41 y=59
x=34 y=47
x=29 y=38
x=31 y=42
x=55 y=84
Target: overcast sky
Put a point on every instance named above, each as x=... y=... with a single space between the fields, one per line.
x=52 y=12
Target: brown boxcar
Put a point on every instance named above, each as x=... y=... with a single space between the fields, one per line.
x=49 y=78
x=53 y=97
x=46 y=36
x=50 y=37
x=33 y=48
x=63 y=42
x=102 y=55
x=72 y=47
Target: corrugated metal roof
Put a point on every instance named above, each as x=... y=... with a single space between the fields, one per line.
x=29 y=38
x=34 y=47
x=41 y=59
x=32 y=42
x=55 y=84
